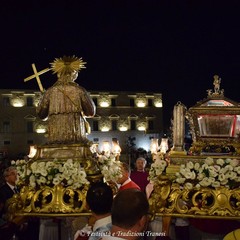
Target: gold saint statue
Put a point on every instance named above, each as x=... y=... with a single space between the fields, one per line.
x=66 y=104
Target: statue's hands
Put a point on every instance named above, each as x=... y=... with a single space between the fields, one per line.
x=40 y=96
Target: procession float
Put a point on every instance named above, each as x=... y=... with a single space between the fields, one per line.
x=202 y=182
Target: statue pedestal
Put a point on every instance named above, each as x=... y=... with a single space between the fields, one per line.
x=59 y=151
x=77 y=152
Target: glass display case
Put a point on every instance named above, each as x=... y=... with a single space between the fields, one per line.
x=215 y=124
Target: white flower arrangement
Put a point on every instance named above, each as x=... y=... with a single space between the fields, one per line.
x=68 y=173
x=222 y=172
x=157 y=168
x=109 y=166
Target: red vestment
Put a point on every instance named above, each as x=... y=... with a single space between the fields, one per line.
x=140 y=178
x=130 y=184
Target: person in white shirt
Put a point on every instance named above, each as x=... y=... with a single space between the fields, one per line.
x=99 y=200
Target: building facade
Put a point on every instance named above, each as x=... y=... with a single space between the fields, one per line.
x=119 y=115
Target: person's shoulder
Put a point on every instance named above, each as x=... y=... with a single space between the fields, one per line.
x=4 y=186
x=133 y=185
x=104 y=227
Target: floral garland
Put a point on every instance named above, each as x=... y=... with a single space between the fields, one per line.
x=109 y=166
x=68 y=173
x=210 y=174
x=157 y=168
x=51 y=173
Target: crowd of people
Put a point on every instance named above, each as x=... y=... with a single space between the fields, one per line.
x=114 y=215
x=128 y=217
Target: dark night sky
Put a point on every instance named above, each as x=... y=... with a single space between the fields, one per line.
x=173 y=47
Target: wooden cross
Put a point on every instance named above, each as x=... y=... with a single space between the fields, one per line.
x=36 y=75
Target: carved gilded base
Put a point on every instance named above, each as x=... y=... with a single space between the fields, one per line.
x=216 y=147
x=48 y=201
x=169 y=199
x=50 y=198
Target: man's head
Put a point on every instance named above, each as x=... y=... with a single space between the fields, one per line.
x=99 y=198
x=10 y=175
x=140 y=164
x=129 y=210
x=125 y=173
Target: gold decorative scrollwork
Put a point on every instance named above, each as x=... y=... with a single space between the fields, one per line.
x=49 y=200
x=170 y=199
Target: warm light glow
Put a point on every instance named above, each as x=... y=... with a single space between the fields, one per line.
x=105 y=125
x=154 y=146
x=158 y=103
x=141 y=125
x=123 y=125
x=94 y=148
x=104 y=104
x=104 y=100
x=105 y=129
x=106 y=147
x=115 y=147
x=32 y=152
x=164 y=145
x=141 y=128
x=40 y=128
x=141 y=100
x=141 y=104
x=17 y=102
x=123 y=128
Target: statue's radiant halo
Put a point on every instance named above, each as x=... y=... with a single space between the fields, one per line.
x=67 y=64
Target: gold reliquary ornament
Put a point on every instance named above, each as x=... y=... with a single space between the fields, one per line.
x=215 y=124
x=203 y=181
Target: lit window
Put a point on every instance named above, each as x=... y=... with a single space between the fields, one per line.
x=105 y=125
x=17 y=101
x=141 y=125
x=40 y=128
x=157 y=101
x=141 y=100
x=104 y=100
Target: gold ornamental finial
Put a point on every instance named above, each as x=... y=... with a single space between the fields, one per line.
x=67 y=64
x=216 y=83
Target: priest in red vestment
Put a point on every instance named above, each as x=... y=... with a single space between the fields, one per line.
x=139 y=175
x=125 y=181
